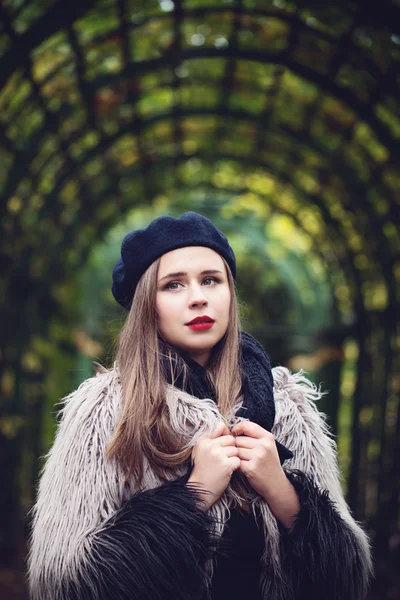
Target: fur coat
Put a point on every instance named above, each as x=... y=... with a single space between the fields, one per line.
x=96 y=537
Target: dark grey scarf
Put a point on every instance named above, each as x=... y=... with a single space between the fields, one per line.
x=257 y=385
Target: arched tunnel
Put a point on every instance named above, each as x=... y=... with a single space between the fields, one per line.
x=279 y=120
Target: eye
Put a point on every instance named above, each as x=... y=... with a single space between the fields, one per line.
x=171 y=283
x=212 y=279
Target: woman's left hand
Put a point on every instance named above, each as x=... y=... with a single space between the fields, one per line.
x=260 y=463
x=259 y=458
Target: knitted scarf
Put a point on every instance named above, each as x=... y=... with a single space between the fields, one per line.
x=257 y=385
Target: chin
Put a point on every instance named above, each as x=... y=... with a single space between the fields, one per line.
x=199 y=347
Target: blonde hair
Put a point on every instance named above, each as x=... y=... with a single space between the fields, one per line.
x=144 y=426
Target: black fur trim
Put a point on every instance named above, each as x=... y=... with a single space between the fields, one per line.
x=154 y=548
x=320 y=552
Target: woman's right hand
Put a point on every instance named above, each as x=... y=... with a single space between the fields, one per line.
x=215 y=458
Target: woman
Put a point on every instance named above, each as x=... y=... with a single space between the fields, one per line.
x=166 y=479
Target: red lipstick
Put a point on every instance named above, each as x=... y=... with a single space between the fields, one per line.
x=201 y=323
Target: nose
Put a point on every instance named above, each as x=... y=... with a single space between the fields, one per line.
x=197 y=297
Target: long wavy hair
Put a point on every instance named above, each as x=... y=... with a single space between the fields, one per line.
x=141 y=355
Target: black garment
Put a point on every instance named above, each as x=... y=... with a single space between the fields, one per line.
x=257 y=380
x=257 y=384
x=237 y=574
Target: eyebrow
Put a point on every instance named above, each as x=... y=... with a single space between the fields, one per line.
x=183 y=274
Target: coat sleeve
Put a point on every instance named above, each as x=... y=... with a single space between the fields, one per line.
x=91 y=538
x=326 y=553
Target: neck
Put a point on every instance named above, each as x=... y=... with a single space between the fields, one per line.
x=201 y=358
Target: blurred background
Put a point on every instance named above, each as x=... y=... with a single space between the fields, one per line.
x=278 y=120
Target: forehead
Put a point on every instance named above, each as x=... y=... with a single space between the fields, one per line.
x=190 y=258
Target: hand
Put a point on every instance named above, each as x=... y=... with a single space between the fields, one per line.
x=259 y=462
x=259 y=458
x=215 y=458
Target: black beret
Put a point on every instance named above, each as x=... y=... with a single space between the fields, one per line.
x=142 y=247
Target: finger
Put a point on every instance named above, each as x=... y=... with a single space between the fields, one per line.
x=246 y=467
x=231 y=451
x=245 y=454
x=234 y=462
x=242 y=441
x=227 y=440
x=221 y=429
x=250 y=429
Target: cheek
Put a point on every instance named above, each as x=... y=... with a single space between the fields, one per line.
x=166 y=308
x=225 y=302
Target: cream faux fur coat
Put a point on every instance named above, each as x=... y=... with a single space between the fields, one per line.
x=95 y=537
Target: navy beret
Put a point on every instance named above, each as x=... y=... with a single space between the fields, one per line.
x=142 y=247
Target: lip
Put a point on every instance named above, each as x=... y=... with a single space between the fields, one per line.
x=203 y=319
x=201 y=326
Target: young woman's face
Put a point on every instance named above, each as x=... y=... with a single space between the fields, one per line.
x=192 y=282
